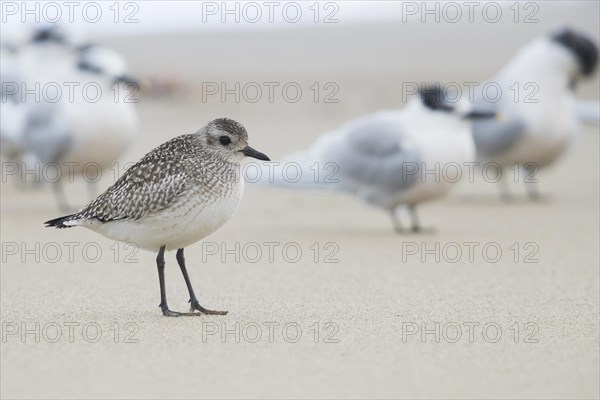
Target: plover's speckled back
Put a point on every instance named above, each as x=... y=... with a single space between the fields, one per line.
x=176 y=195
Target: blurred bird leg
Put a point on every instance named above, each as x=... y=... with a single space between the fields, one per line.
x=502 y=185
x=92 y=188
x=414 y=218
x=396 y=220
x=532 y=187
x=61 y=198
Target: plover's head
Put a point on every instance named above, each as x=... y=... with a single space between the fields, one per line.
x=229 y=140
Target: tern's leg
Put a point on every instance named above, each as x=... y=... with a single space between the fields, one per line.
x=61 y=198
x=395 y=212
x=21 y=181
x=414 y=218
x=194 y=305
x=160 y=263
x=505 y=194
x=92 y=188
x=531 y=183
x=532 y=191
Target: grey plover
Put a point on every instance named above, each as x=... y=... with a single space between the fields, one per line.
x=542 y=121
x=386 y=158
x=176 y=195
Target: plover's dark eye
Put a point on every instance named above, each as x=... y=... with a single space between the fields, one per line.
x=224 y=140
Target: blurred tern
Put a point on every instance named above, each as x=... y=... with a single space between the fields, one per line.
x=80 y=131
x=533 y=134
x=382 y=158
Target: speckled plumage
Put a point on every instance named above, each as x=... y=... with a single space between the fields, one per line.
x=176 y=168
x=177 y=194
x=178 y=179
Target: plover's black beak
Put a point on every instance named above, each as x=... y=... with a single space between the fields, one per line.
x=250 y=152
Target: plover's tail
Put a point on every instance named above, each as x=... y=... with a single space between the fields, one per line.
x=61 y=222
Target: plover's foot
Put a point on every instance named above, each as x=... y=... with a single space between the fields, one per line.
x=168 y=313
x=195 y=306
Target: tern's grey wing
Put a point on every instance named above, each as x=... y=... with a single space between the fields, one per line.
x=150 y=185
x=495 y=136
x=379 y=155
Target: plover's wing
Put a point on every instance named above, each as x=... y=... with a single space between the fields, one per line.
x=150 y=185
x=377 y=153
x=495 y=136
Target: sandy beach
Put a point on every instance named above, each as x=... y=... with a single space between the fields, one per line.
x=325 y=300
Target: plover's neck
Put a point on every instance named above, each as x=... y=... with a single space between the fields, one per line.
x=217 y=173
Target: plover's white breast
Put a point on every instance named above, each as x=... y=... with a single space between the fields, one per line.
x=189 y=219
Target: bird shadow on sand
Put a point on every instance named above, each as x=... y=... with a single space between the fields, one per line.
x=495 y=200
x=362 y=232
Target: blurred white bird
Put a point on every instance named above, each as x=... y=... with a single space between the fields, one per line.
x=540 y=123
x=28 y=62
x=589 y=112
x=12 y=118
x=393 y=159
x=83 y=127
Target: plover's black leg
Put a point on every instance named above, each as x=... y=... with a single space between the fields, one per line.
x=160 y=263
x=194 y=305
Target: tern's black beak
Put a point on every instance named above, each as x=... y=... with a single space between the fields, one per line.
x=476 y=115
x=250 y=152
x=127 y=79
